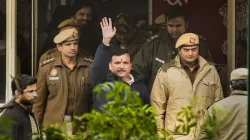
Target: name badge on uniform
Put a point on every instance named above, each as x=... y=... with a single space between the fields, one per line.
x=53 y=78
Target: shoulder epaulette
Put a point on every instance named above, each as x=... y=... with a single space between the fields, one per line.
x=168 y=65
x=88 y=60
x=47 y=61
x=151 y=38
x=50 y=51
x=84 y=53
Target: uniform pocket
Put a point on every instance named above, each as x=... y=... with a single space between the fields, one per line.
x=86 y=94
x=86 y=87
x=209 y=87
x=54 y=87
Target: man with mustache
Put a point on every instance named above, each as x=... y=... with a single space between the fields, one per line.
x=63 y=83
x=159 y=49
x=19 y=109
x=114 y=66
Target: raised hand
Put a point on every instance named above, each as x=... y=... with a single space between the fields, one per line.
x=107 y=31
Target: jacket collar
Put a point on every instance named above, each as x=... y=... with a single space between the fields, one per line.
x=239 y=92
x=25 y=111
x=80 y=61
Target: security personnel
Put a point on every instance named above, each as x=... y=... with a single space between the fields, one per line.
x=187 y=76
x=51 y=53
x=230 y=114
x=63 y=83
x=159 y=49
x=161 y=21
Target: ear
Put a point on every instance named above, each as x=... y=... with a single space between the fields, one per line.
x=179 y=50
x=231 y=89
x=110 y=66
x=59 y=47
x=186 y=24
x=131 y=66
x=17 y=93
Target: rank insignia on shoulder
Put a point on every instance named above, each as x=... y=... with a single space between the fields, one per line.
x=88 y=60
x=47 y=61
x=150 y=39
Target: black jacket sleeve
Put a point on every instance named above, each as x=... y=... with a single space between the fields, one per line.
x=100 y=66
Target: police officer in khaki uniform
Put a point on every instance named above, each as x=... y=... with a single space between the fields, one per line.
x=159 y=49
x=51 y=53
x=180 y=80
x=63 y=83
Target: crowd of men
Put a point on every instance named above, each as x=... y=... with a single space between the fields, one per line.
x=167 y=70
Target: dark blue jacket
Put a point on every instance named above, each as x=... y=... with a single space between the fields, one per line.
x=100 y=73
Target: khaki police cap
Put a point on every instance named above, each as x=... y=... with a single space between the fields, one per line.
x=240 y=73
x=160 y=19
x=66 y=36
x=187 y=39
x=69 y=22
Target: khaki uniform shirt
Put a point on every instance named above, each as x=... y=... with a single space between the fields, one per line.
x=191 y=74
x=71 y=90
x=54 y=91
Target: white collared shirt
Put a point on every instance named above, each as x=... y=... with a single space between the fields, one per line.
x=130 y=82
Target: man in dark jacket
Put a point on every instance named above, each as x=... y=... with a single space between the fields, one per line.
x=160 y=48
x=129 y=35
x=118 y=68
x=18 y=110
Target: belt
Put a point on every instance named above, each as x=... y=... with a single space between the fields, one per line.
x=67 y=118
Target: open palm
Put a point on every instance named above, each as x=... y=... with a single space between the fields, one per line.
x=107 y=31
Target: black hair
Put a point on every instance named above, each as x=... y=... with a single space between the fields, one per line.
x=129 y=18
x=118 y=52
x=79 y=4
x=176 y=11
x=21 y=82
x=240 y=84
